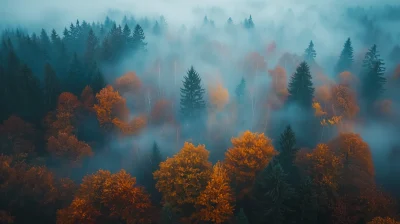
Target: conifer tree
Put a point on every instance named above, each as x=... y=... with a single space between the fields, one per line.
x=97 y=81
x=240 y=90
x=51 y=88
x=301 y=90
x=156 y=29
x=91 y=47
x=248 y=23
x=229 y=21
x=138 y=38
x=287 y=155
x=310 y=53
x=307 y=202
x=76 y=76
x=241 y=217
x=169 y=215
x=192 y=93
x=372 y=77
x=272 y=195
x=345 y=62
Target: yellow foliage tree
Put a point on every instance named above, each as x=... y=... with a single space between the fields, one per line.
x=219 y=96
x=344 y=101
x=181 y=178
x=318 y=110
x=215 y=203
x=104 y=197
x=251 y=152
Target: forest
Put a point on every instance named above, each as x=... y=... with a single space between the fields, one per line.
x=138 y=120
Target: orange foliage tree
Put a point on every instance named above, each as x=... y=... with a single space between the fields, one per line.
x=132 y=127
x=17 y=136
x=66 y=146
x=215 y=203
x=128 y=83
x=386 y=220
x=251 y=152
x=344 y=101
x=162 y=112
x=279 y=87
x=105 y=197
x=181 y=178
x=219 y=96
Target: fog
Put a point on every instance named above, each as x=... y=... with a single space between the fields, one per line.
x=218 y=56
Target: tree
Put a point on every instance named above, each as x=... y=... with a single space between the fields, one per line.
x=97 y=81
x=87 y=97
x=181 y=178
x=169 y=215
x=91 y=48
x=138 y=39
x=154 y=159
x=307 y=200
x=250 y=153
x=219 y=96
x=272 y=195
x=345 y=62
x=301 y=90
x=129 y=82
x=241 y=218
x=76 y=76
x=385 y=220
x=287 y=155
x=51 y=87
x=310 y=53
x=248 y=23
x=344 y=101
x=372 y=77
x=240 y=90
x=17 y=136
x=156 y=29
x=192 y=102
x=215 y=203
x=105 y=198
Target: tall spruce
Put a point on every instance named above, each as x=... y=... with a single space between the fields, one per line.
x=372 y=77
x=91 y=47
x=155 y=160
x=51 y=88
x=272 y=196
x=345 y=62
x=248 y=23
x=76 y=76
x=192 y=93
x=301 y=90
x=307 y=203
x=240 y=90
x=156 y=29
x=310 y=53
x=97 y=81
x=139 y=39
x=287 y=155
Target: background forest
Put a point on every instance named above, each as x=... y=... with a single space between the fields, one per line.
x=136 y=119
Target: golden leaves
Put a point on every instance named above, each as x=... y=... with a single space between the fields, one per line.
x=385 y=220
x=129 y=82
x=219 y=96
x=251 y=152
x=318 y=110
x=182 y=177
x=331 y=121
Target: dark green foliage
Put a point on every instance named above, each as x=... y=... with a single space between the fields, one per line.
x=372 y=77
x=192 y=102
x=139 y=39
x=272 y=196
x=241 y=218
x=345 y=62
x=310 y=53
x=307 y=203
x=301 y=90
x=51 y=88
x=169 y=215
x=91 y=47
x=96 y=77
x=240 y=90
x=76 y=77
x=287 y=155
x=248 y=23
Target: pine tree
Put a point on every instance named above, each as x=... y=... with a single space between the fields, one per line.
x=127 y=34
x=287 y=155
x=229 y=21
x=76 y=77
x=91 y=47
x=155 y=158
x=310 y=53
x=372 y=77
x=241 y=217
x=156 y=29
x=138 y=38
x=97 y=81
x=240 y=90
x=250 y=23
x=345 y=62
x=45 y=44
x=272 y=195
x=307 y=202
x=51 y=88
x=192 y=102
x=301 y=90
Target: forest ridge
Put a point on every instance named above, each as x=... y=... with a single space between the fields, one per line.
x=96 y=128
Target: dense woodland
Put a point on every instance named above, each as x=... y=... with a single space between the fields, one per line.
x=86 y=140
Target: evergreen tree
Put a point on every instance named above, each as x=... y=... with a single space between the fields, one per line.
x=91 y=47
x=310 y=53
x=45 y=44
x=76 y=77
x=138 y=38
x=192 y=102
x=373 y=80
x=250 y=23
x=301 y=90
x=345 y=62
x=106 y=50
x=241 y=217
x=229 y=21
x=97 y=81
x=169 y=215
x=272 y=195
x=127 y=34
x=307 y=203
x=156 y=29
x=287 y=155
x=205 y=21
x=240 y=90
x=51 y=88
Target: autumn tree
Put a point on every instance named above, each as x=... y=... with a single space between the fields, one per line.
x=272 y=195
x=162 y=112
x=301 y=90
x=192 y=102
x=128 y=83
x=219 y=96
x=66 y=146
x=17 y=136
x=250 y=153
x=87 y=97
x=181 y=178
x=104 y=198
x=310 y=53
x=216 y=203
x=385 y=220
x=345 y=61
x=344 y=101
